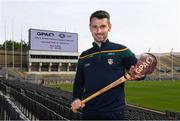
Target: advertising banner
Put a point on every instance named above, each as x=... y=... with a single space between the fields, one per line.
x=53 y=40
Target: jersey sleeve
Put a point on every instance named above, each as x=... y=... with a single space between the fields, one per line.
x=78 y=86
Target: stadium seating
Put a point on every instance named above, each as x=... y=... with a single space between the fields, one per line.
x=43 y=103
x=168 y=67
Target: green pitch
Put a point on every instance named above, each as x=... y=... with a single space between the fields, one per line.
x=157 y=95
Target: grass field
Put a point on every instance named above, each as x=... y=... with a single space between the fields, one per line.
x=158 y=95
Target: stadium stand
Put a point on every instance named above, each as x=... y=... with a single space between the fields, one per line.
x=168 y=67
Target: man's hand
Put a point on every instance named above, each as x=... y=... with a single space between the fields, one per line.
x=76 y=104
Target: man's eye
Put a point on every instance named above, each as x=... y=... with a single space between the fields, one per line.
x=104 y=26
x=94 y=27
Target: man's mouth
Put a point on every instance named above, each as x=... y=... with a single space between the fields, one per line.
x=99 y=35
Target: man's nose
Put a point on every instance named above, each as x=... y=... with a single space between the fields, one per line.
x=99 y=30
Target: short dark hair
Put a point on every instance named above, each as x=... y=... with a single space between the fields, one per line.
x=100 y=14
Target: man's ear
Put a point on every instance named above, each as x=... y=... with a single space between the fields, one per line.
x=110 y=26
x=90 y=27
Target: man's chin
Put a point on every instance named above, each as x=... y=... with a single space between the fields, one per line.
x=100 y=41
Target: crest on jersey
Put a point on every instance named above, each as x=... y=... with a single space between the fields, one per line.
x=110 y=61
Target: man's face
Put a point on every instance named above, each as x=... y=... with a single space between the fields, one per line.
x=99 y=29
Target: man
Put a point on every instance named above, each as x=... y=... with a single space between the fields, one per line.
x=98 y=67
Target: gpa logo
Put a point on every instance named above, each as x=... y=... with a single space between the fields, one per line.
x=110 y=61
x=45 y=34
x=62 y=35
x=144 y=65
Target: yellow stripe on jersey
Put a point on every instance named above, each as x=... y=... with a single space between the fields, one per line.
x=106 y=51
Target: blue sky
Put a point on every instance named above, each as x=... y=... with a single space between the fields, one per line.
x=137 y=24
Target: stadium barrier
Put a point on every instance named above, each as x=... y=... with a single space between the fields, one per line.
x=173 y=115
x=139 y=113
